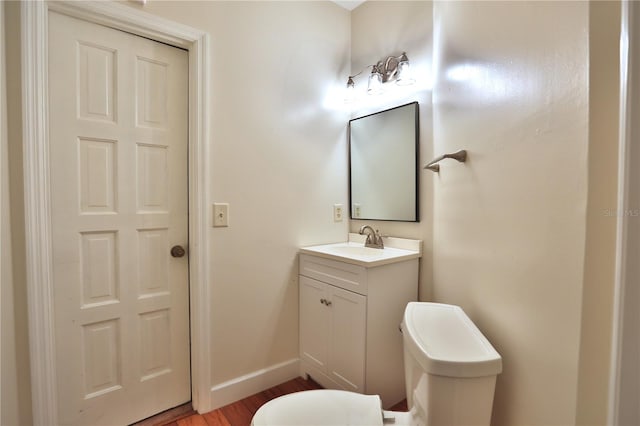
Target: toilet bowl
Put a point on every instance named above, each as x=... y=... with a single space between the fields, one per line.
x=450 y=375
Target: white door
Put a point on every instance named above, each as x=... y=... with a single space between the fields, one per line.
x=118 y=131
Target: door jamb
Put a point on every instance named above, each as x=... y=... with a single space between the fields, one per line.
x=626 y=280
x=34 y=43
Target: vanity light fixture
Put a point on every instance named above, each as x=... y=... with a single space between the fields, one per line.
x=388 y=69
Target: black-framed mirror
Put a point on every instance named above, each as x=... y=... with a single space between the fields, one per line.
x=383 y=165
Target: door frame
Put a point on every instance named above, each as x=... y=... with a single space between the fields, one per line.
x=34 y=44
x=626 y=279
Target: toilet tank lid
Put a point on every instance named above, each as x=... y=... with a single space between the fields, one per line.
x=447 y=343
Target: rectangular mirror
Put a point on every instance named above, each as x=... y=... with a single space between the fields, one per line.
x=383 y=165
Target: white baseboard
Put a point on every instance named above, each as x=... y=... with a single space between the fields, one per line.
x=257 y=381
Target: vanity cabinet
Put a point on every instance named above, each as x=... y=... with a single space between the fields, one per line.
x=349 y=324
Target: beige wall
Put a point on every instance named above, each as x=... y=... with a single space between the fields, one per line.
x=511 y=227
x=15 y=382
x=380 y=29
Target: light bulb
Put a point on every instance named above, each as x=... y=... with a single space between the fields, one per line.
x=404 y=74
x=375 y=82
x=404 y=77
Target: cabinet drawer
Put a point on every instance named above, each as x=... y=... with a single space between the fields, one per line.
x=343 y=275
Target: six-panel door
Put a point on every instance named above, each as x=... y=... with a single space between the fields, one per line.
x=118 y=136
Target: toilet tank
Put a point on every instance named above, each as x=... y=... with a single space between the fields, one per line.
x=450 y=367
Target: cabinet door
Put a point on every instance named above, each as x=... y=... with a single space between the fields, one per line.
x=347 y=338
x=314 y=322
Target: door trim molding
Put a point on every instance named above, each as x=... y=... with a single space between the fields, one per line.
x=34 y=43
x=626 y=279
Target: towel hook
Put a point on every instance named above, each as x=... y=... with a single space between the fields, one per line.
x=460 y=156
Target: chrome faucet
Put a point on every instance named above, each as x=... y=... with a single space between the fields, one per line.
x=374 y=239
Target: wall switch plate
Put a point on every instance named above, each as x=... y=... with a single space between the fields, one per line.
x=337 y=212
x=220 y=214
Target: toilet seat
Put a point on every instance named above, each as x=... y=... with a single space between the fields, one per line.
x=321 y=407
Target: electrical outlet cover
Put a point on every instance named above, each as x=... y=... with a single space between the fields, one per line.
x=337 y=213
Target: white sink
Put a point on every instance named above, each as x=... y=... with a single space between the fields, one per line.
x=354 y=251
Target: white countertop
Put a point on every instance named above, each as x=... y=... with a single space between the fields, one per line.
x=354 y=251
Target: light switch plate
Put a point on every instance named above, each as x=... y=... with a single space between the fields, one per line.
x=220 y=214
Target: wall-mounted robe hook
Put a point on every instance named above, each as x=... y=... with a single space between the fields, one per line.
x=460 y=156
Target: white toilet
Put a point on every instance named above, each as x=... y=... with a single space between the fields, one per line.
x=450 y=372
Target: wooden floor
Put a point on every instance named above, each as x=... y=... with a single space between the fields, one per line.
x=241 y=412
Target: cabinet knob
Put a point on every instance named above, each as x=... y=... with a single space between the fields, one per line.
x=327 y=302
x=323 y=301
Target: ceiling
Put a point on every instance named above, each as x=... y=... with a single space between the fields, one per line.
x=349 y=4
